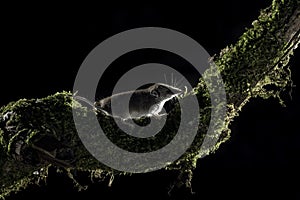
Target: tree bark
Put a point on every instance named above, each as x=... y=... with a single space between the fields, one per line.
x=37 y=134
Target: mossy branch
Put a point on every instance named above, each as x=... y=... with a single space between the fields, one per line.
x=38 y=133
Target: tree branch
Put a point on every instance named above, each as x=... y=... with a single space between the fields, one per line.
x=38 y=133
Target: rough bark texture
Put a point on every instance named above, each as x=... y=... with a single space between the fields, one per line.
x=39 y=134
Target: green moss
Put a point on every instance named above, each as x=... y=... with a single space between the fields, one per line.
x=259 y=58
x=40 y=124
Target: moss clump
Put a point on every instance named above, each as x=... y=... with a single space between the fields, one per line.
x=38 y=132
x=259 y=59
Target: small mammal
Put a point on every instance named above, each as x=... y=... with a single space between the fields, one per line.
x=146 y=102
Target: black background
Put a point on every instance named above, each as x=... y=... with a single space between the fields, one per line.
x=43 y=47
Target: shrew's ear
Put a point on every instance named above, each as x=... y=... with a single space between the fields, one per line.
x=154 y=93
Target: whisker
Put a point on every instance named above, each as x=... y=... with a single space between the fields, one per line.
x=172 y=81
x=175 y=80
x=165 y=78
x=180 y=81
x=180 y=86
